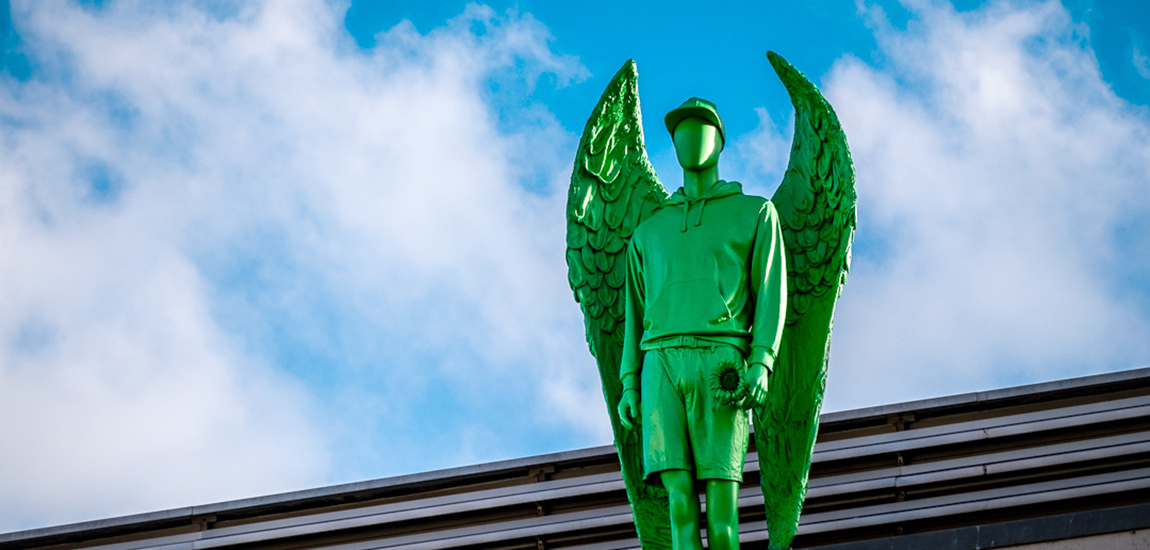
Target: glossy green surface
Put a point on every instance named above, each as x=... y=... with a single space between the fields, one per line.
x=614 y=188
x=697 y=108
x=712 y=262
x=816 y=201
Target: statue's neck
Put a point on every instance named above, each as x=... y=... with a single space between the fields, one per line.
x=697 y=183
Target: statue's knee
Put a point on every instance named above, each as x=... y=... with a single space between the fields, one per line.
x=722 y=536
x=682 y=509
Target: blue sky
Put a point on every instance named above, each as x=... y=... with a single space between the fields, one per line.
x=292 y=243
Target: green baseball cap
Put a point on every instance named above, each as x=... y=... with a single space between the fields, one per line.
x=696 y=107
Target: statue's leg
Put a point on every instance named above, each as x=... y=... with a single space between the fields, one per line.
x=722 y=514
x=680 y=485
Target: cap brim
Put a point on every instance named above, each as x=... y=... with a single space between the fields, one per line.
x=676 y=116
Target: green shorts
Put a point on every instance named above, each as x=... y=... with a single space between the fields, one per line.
x=684 y=426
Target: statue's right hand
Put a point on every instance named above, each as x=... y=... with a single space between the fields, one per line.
x=629 y=408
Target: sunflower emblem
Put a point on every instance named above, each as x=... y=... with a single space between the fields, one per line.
x=727 y=384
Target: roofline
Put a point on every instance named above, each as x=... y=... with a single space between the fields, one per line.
x=1028 y=392
x=1013 y=392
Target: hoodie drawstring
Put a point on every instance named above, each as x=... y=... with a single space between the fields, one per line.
x=719 y=190
x=687 y=208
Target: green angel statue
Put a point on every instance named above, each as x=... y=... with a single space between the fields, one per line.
x=708 y=306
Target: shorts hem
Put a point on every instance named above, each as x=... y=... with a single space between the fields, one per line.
x=652 y=476
x=725 y=475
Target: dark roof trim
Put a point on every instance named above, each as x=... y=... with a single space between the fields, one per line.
x=1029 y=391
x=1015 y=533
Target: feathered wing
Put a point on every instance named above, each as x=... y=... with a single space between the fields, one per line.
x=816 y=205
x=613 y=188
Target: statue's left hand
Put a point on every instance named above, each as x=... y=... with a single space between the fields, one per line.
x=629 y=408
x=756 y=379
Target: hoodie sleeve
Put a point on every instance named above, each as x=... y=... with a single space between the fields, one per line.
x=769 y=284
x=633 y=321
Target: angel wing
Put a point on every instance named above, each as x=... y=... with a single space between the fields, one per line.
x=613 y=188
x=816 y=205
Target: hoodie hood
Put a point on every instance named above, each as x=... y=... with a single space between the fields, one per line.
x=720 y=189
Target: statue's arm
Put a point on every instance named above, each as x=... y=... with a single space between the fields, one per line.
x=769 y=282
x=632 y=359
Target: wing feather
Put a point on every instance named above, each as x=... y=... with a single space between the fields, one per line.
x=816 y=202
x=614 y=188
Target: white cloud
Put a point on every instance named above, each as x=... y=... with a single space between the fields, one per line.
x=1141 y=63
x=759 y=158
x=202 y=214
x=1002 y=187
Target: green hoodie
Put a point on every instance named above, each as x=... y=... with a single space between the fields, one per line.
x=711 y=268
